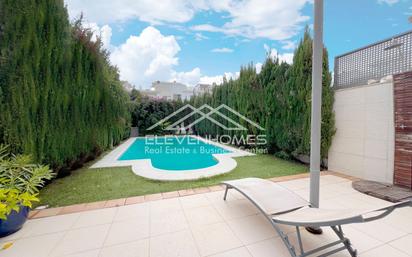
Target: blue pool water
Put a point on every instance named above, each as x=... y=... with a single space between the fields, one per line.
x=173 y=153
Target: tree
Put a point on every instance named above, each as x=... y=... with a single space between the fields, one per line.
x=300 y=91
x=278 y=98
x=62 y=101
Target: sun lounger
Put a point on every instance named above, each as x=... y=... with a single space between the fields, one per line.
x=282 y=206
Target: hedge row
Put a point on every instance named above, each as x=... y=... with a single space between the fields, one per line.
x=60 y=99
x=278 y=99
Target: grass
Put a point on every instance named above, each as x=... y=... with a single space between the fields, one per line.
x=90 y=185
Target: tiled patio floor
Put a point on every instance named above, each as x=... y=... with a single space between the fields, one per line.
x=205 y=225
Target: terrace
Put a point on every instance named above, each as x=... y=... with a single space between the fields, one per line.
x=200 y=223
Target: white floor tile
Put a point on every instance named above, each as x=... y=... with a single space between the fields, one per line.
x=165 y=206
x=215 y=238
x=217 y=196
x=238 y=252
x=95 y=217
x=194 y=201
x=92 y=253
x=167 y=222
x=295 y=184
x=399 y=220
x=80 y=240
x=177 y=244
x=361 y=241
x=343 y=188
x=352 y=201
x=330 y=204
x=133 y=211
x=127 y=231
x=252 y=229
x=330 y=179
x=135 y=249
x=50 y=225
x=38 y=246
x=235 y=209
x=202 y=216
x=404 y=244
x=268 y=248
x=384 y=251
x=379 y=230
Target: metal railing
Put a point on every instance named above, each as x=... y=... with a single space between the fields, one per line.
x=373 y=62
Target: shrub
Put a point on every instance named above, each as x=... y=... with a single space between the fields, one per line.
x=20 y=181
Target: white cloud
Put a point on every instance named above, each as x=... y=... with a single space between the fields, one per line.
x=154 y=12
x=152 y=56
x=273 y=53
x=274 y=19
x=145 y=58
x=207 y=27
x=222 y=50
x=218 y=79
x=389 y=2
x=286 y=57
x=190 y=78
x=289 y=45
x=258 y=67
x=105 y=33
x=200 y=36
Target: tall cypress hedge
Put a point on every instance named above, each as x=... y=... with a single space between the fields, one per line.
x=60 y=99
x=146 y=112
x=279 y=99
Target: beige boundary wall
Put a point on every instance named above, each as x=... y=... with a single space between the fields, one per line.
x=364 y=142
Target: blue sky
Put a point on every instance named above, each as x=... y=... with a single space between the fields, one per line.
x=199 y=41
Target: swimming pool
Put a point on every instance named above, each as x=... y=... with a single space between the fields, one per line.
x=172 y=158
x=174 y=153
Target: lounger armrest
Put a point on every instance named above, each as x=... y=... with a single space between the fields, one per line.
x=386 y=210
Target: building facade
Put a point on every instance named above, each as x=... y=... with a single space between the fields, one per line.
x=169 y=91
x=201 y=89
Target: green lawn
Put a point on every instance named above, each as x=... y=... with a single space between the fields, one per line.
x=90 y=185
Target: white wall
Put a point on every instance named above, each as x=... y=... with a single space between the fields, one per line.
x=364 y=142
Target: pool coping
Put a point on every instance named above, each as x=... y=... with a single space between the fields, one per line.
x=144 y=168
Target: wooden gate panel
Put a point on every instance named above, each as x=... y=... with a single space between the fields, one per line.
x=403 y=129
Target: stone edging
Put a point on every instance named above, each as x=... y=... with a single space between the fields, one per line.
x=35 y=214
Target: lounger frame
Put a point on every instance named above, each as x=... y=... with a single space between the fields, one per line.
x=335 y=226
